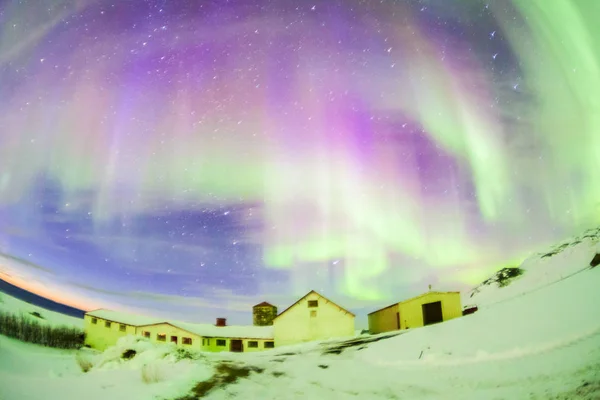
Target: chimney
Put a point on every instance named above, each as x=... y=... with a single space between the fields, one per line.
x=221 y=322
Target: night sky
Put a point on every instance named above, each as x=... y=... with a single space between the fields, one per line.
x=192 y=158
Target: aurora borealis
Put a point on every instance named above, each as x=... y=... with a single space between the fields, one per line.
x=201 y=156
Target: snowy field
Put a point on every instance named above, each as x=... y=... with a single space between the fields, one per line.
x=538 y=338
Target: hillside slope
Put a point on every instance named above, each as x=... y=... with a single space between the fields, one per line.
x=563 y=260
x=13 y=305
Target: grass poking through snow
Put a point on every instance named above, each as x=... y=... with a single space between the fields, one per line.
x=225 y=374
x=84 y=362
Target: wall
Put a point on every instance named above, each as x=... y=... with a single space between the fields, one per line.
x=411 y=312
x=99 y=337
x=171 y=330
x=296 y=325
x=211 y=344
x=198 y=342
x=384 y=320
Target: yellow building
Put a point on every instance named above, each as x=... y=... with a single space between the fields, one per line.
x=104 y=327
x=313 y=317
x=426 y=309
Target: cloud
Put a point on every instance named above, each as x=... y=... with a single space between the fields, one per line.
x=22 y=262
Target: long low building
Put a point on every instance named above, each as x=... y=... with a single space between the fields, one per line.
x=104 y=327
x=312 y=317
x=426 y=309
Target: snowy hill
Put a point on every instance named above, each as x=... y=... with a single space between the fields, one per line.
x=539 y=270
x=13 y=305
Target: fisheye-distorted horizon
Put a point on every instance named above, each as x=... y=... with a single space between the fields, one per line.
x=198 y=157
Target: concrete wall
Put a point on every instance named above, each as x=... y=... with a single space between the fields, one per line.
x=304 y=324
x=99 y=336
x=384 y=320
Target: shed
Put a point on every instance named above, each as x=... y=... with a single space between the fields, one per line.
x=425 y=309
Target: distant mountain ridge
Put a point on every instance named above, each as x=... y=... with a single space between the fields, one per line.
x=39 y=301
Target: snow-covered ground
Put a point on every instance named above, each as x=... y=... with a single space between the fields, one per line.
x=13 y=305
x=546 y=268
x=538 y=339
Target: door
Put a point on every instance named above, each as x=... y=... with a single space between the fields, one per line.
x=236 y=346
x=398 y=320
x=432 y=313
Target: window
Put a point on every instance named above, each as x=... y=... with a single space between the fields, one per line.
x=161 y=337
x=253 y=344
x=221 y=342
x=186 y=340
x=146 y=334
x=174 y=339
x=122 y=327
x=269 y=345
x=94 y=321
x=313 y=303
x=107 y=324
x=313 y=313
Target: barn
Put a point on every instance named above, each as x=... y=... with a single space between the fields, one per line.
x=312 y=317
x=425 y=309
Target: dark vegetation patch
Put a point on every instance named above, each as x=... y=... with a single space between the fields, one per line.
x=323 y=366
x=185 y=354
x=37 y=314
x=225 y=374
x=595 y=261
x=360 y=342
x=586 y=391
x=128 y=354
x=277 y=374
x=593 y=234
x=502 y=278
x=283 y=357
x=24 y=328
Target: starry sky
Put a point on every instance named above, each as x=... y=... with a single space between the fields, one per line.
x=192 y=158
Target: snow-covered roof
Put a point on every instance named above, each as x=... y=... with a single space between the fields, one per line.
x=206 y=330
x=321 y=296
x=231 y=331
x=123 y=318
x=264 y=304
